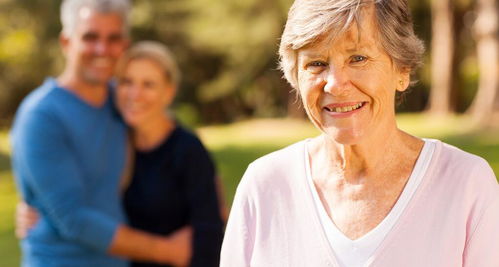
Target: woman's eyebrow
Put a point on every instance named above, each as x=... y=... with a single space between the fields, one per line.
x=310 y=54
x=358 y=47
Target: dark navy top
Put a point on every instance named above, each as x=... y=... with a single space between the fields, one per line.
x=173 y=186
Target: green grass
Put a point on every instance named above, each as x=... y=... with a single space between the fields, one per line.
x=234 y=146
x=9 y=248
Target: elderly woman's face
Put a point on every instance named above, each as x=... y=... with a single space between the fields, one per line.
x=143 y=92
x=348 y=87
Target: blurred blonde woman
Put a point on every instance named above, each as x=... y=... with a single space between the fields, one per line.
x=364 y=192
x=173 y=181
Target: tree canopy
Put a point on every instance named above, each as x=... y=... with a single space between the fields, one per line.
x=227 y=52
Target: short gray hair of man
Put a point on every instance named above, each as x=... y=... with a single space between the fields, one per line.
x=312 y=21
x=155 y=52
x=70 y=9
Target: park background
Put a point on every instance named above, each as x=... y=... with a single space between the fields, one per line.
x=232 y=93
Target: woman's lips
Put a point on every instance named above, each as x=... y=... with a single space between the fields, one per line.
x=343 y=109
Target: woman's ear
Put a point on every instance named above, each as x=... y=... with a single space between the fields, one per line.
x=170 y=94
x=404 y=80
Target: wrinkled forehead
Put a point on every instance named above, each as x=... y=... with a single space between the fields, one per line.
x=362 y=33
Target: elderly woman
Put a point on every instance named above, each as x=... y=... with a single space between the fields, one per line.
x=363 y=193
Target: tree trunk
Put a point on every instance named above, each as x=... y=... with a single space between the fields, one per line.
x=442 y=53
x=486 y=101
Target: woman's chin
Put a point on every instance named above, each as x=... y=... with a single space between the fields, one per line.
x=131 y=121
x=344 y=136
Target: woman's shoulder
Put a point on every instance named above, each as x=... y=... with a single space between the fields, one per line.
x=276 y=168
x=464 y=170
x=455 y=158
x=186 y=138
x=277 y=176
x=281 y=159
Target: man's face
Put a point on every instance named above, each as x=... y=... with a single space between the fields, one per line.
x=95 y=46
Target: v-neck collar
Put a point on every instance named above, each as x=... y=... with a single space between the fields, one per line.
x=314 y=216
x=380 y=250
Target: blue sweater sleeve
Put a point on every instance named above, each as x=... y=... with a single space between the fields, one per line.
x=48 y=169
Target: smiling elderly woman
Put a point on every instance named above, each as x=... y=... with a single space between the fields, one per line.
x=363 y=193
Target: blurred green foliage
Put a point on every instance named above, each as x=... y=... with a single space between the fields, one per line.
x=227 y=51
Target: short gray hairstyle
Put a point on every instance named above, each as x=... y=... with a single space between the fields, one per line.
x=311 y=21
x=156 y=52
x=70 y=9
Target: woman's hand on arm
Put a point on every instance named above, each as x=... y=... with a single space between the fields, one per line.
x=26 y=219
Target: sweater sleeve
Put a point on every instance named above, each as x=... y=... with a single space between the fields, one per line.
x=237 y=247
x=47 y=168
x=482 y=249
x=482 y=246
x=205 y=216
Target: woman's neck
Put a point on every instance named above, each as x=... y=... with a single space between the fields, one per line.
x=148 y=136
x=370 y=159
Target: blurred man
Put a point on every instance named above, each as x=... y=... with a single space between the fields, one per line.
x=69 y=151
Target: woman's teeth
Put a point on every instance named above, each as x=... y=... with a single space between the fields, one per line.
x=344 y=109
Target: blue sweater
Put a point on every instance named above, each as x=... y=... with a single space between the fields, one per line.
x=68 y=158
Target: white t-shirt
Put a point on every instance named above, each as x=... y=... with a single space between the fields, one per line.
x=356 y=253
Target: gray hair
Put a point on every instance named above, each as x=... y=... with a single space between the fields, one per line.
x=312 y=21
x=70 y=9
x=156 y=52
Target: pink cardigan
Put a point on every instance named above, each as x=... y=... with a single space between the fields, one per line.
x=452 y=219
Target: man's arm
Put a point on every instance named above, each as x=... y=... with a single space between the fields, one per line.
x=46 y=167
x=45 y=164
x=142 y=246
x=127 y=242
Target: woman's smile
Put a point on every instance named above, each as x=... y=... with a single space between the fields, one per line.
x=343 y=110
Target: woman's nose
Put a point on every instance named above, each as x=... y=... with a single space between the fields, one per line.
x=336 y=81
x=134 y=92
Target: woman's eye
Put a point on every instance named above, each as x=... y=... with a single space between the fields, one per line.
x=149 y=85
x=316 y=64
x=358 y=58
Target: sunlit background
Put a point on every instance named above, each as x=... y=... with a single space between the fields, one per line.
x=232 y=93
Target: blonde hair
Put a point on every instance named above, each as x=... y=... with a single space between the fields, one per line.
x=156 y=52
x=311 y=21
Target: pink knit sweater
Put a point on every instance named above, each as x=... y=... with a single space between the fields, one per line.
x=452 y=219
